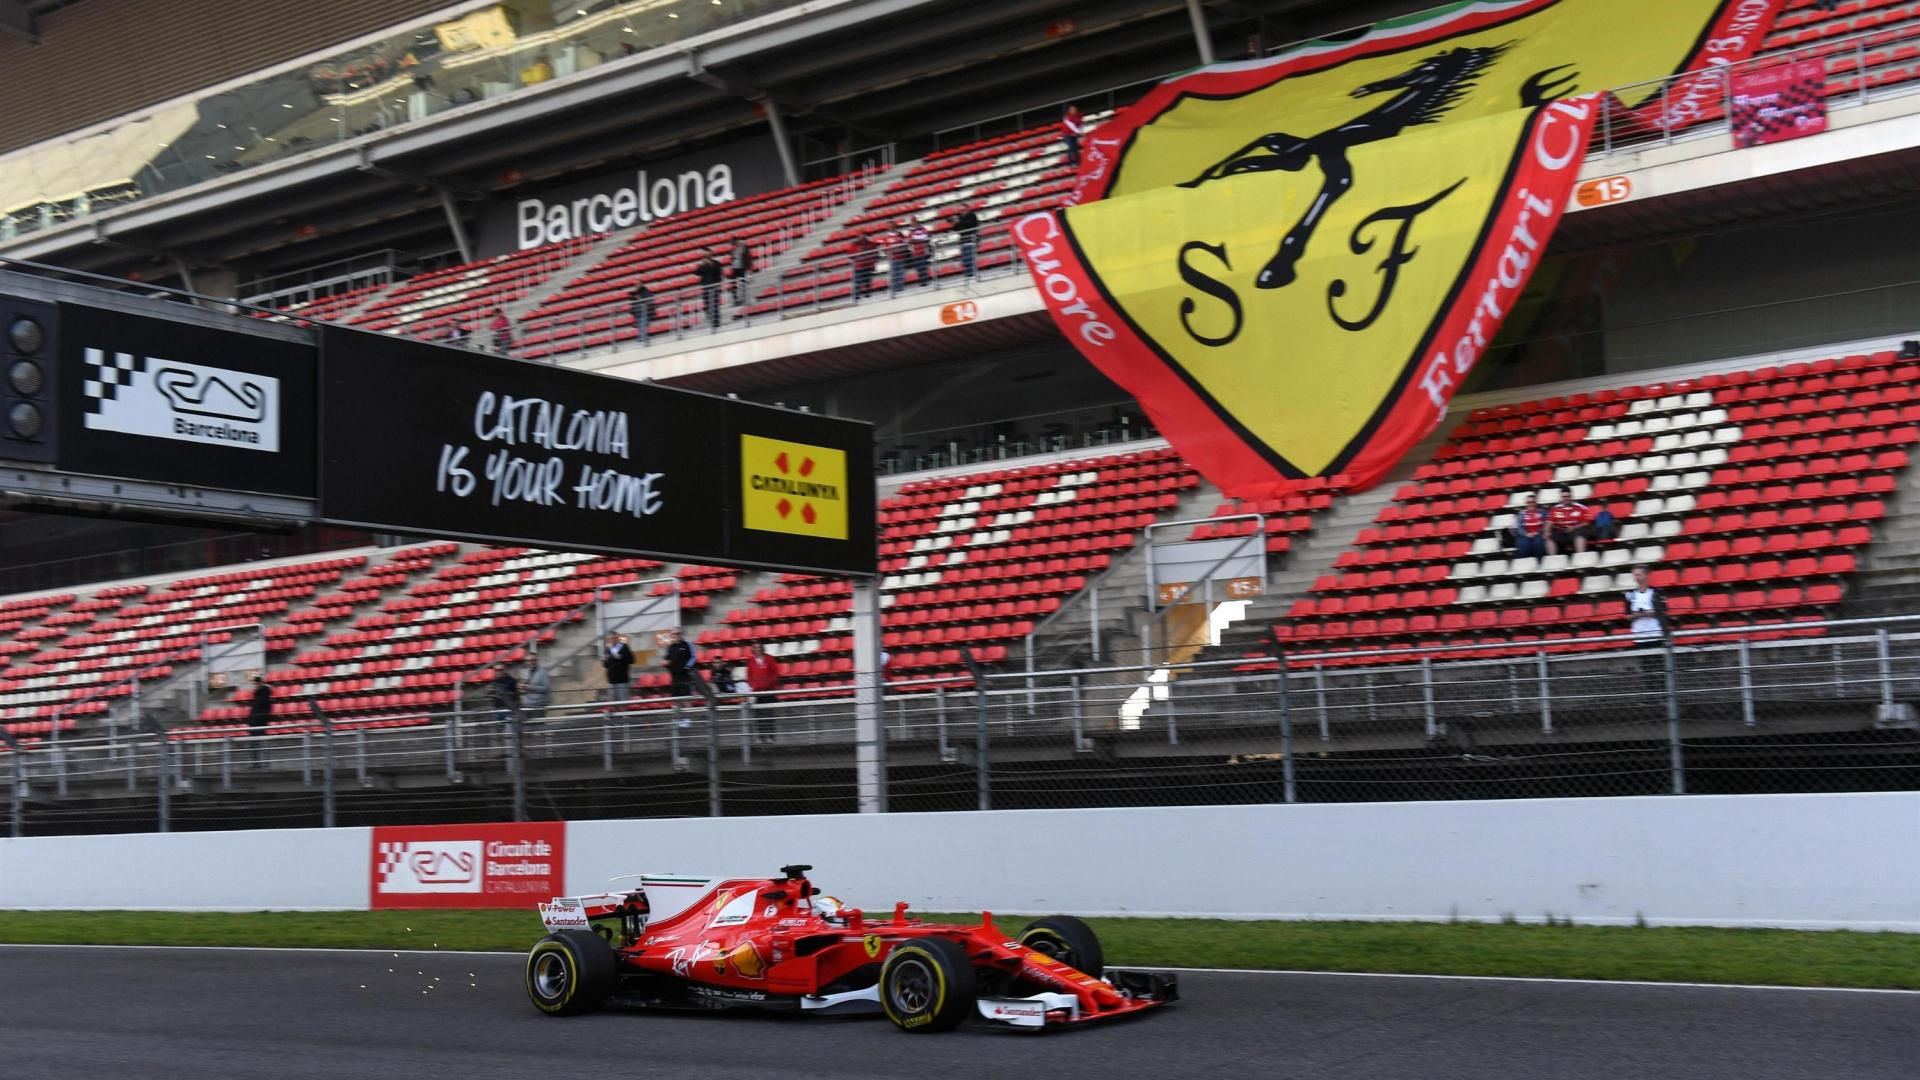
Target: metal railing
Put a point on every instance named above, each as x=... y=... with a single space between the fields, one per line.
x=1827 y=710
x=1700 y=103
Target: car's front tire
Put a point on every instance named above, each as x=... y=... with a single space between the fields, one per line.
x=1067 y=940
x=570 y=972
x=927 y=985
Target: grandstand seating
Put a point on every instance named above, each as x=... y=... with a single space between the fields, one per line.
x=1750 y=493
x=971 y=560
x=434 y=303
x=592 y=310
x=1000 y=178
x=330 y=308
x=445 y=631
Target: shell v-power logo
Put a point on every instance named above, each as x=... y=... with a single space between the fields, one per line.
x=791 y=487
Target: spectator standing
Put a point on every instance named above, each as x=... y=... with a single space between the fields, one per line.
x=617 y=660
x=741 y=269
x=1567 y=525
x=866 y=257
x=1530 y=528
x=500 y=333
x=679 y=663
x=763 y=677
x=1647 y=612
x=640 y=302
x=966 y=225
x=1071 y=128
x=920 y=251
x=708 y=274
x=898 y=255
x=259 y=715
x=537 y=690
x=505 y=691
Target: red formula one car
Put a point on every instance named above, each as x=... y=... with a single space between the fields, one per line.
x=776 y=943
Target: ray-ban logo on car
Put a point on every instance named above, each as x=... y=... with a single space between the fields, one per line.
x=429 y=866
x=168 y=399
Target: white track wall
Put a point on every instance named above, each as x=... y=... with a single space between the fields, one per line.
x=1811 y=861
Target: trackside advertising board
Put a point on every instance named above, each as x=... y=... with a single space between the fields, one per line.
x=468 y=866
x=152 y=398
x=422 y=438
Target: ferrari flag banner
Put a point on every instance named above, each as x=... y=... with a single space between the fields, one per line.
x=1293 y=263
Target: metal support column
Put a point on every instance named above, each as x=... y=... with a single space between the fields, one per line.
x=1746 y=684
x=1676 y=761
x=1546 y=694
x=1200 y=36
x=16 y=797
x=714 y=806
x=1426 y=698
x=1885 y=645
x=869 y=684
x=982 y=755
x=1079 y=715
x=326 y=767
x=166 y=777
x=517 y=761
x=454 y=225
x=1286 y=726
x=779 y=125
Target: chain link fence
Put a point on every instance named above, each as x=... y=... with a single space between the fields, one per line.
x=1829 y=709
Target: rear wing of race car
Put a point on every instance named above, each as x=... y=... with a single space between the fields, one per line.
x=667 y=894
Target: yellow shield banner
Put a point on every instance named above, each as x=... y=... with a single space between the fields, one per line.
x=1292 y=263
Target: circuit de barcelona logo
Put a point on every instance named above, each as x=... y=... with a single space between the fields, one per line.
x=1294 y=262
x=167 y=399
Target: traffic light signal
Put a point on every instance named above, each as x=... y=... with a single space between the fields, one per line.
x=29 y=384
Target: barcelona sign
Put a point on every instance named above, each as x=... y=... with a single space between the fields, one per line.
x=1293 y=263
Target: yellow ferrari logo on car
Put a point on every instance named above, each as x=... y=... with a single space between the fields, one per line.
x=792 y=487
x=872 y=944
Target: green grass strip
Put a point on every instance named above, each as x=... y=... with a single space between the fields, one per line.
x=1665 y=954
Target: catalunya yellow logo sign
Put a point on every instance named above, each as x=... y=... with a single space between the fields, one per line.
x=791 y=487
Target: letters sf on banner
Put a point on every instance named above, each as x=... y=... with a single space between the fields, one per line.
x=1294 y=263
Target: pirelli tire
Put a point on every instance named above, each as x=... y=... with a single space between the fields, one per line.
x=1067 y=940
x=570 y=972
x=927 y=985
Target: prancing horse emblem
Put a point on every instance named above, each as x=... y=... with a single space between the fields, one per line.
x=1425 y=93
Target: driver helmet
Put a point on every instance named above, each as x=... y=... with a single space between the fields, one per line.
x=827 y=907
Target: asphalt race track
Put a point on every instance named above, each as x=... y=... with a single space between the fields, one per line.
x=200 y=1014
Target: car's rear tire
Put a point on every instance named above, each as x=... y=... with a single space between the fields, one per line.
x=570 y=972
x=1068 y=940
x=927 y=985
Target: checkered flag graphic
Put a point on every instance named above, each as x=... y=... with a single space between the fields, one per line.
x=108 y=373
x=392 y=854
x=1783 y=114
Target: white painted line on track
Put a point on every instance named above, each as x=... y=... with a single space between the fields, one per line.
x=1525 y=979
x=1142 y=967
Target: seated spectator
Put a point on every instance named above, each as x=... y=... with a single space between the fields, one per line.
x=1568 y=524
x=1529 y=531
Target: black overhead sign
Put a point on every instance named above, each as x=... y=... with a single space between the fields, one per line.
x=423 y=438
x=151 y=398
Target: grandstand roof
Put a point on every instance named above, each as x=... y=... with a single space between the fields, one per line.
x=853 y=73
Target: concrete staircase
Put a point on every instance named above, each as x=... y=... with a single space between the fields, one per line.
x=1314 y=555
x=589 y=257
x=172 y=700
x=821 y=224
x=1115 y=601
x=1888 y=581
